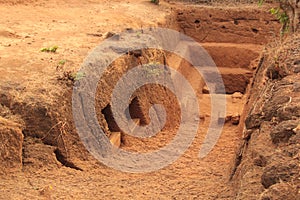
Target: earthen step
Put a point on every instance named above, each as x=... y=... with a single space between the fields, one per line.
x=233 y=109
x=251 y=46
x=223 y=54
x=234 y=79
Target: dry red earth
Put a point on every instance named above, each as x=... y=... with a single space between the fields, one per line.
x=42 y=155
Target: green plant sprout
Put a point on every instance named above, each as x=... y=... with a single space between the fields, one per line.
x=62 y=62
x=281 y=14
x=49 y=49
x=138 y=34
x=76 y=76
x=282 y=17
x=260 y=2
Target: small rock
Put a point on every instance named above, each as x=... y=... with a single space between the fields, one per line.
x=237 y=96
x=253 y=121
x=297 y=69
x=283 y=131
x=205 y=90
x=108 y=35
x=297 y=129
x=228 y=118
x=235 y=119
x=247 y=134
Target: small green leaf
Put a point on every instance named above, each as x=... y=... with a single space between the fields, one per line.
x=49 y=49
x=62 y=62
x=76 y=76
x=260 y=2
x=53 y=49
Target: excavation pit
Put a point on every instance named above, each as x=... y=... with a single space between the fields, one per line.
x=233 y=37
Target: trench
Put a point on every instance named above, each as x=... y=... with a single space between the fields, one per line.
x=235 y=42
